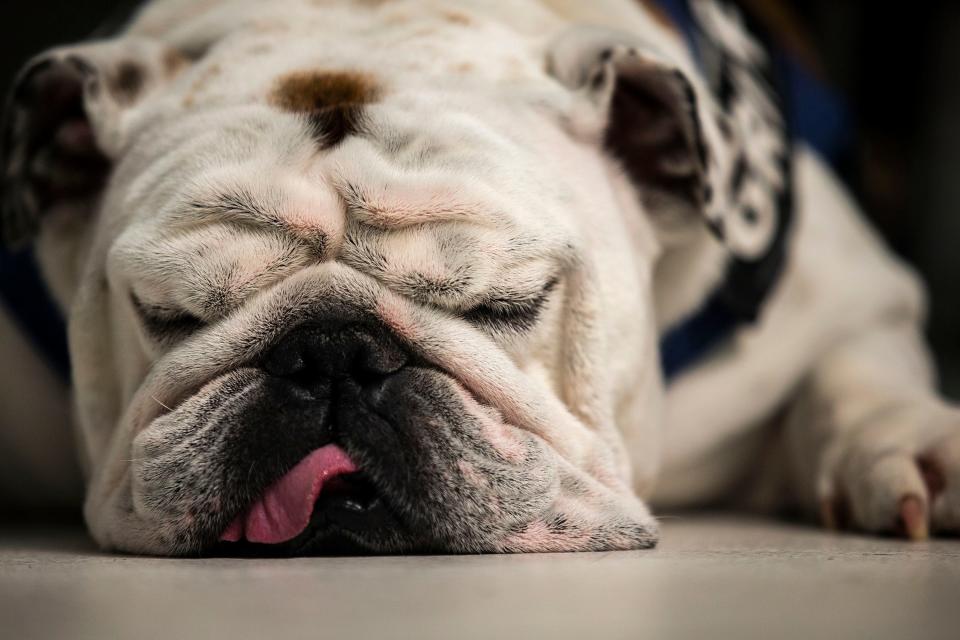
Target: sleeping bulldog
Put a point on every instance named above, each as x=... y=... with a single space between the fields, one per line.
x=418 y=276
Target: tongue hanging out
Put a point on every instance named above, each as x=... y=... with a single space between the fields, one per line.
x=283 y=511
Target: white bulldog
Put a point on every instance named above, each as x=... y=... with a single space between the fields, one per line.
x=463 y=277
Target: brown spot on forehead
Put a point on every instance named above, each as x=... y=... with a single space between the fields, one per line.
x=332 y=100
x=306 y=91
x=457 y=17
x=205 y=76
x=174 y=61
x=127 y=81
x=463 y=68
x=271 y=26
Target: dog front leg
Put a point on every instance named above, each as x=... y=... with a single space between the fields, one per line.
x=870 y=443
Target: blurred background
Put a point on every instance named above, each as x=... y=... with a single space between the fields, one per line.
x=898 y=67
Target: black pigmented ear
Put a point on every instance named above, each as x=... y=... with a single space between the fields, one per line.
x=654 y=131
x=653 y=119
x=65 y=120
x=49 y=155
x=703 y=141
x=703 y=134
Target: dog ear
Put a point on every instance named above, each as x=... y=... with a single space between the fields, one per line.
x=66 y=121
x=653 y=114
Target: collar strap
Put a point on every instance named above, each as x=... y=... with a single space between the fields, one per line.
x=690 y=341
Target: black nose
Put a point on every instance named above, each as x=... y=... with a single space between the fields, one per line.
x=312 y=355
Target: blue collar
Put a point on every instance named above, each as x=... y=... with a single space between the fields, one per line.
x=25 y=297
x=687 y=343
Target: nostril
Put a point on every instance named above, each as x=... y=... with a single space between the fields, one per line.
x=302 y=355
x=375 y=358
x=286 y=360
x=312 y=354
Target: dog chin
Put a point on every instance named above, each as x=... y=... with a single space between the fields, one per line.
x=250 y=464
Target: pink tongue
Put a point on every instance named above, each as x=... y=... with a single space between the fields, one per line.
x=284 y=510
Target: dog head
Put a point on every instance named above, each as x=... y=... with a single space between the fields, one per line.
x=364 y=277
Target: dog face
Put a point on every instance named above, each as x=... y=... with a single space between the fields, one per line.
x=385 y=285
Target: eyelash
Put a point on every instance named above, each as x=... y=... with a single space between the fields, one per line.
x=517 y=314
x=166 y=325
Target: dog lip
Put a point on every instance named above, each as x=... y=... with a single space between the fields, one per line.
x=160 y=405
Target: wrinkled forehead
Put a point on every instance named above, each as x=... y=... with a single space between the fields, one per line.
x=393 y=46
x=333 y=106
x=286 y=85
x=330 y=142
x=303 y=129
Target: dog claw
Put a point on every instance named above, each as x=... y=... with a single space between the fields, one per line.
x=912 y=518
x=828 y=514
x=933 y=475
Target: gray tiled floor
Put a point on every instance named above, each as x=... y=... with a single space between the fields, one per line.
x=711 y=577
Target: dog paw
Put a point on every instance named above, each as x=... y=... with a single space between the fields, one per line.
x=904 y=481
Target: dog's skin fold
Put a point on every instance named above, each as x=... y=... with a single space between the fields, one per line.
x=445 y=238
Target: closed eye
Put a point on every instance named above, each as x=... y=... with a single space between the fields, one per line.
x=519 y=313
x=166 y=325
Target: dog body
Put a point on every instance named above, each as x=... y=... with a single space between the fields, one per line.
x=452 y=214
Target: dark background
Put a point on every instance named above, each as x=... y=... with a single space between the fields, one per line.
x=898 y=66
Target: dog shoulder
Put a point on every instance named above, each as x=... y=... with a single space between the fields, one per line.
x=838 y=280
